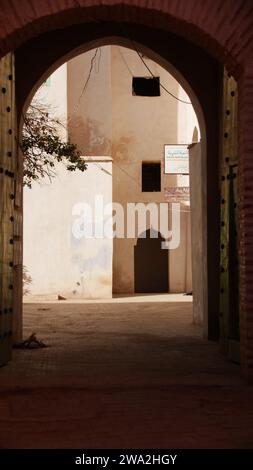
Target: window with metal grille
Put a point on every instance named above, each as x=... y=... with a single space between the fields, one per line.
x=151 y=177
x=146 y=86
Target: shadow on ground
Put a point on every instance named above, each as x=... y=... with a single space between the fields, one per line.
x=122 y=374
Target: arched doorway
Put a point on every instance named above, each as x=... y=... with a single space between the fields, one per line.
x=224 y=45
x=150 y=263
x=205 y=109
x=164 y=119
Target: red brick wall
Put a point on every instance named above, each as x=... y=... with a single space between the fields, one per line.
x=224 y=28
x=246 y=215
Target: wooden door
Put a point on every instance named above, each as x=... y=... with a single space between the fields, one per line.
x=8 y=154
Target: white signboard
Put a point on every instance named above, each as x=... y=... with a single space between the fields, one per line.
x=176 y=159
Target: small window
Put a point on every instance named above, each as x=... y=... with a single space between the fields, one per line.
x=146 y=86
x=151 y=177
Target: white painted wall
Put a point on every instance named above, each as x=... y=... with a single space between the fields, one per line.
x=186 y=119
x=54 y=93
x=58 y=263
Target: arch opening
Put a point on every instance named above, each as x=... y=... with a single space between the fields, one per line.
x=150 y=57
x=207 y=107
x=197 y=49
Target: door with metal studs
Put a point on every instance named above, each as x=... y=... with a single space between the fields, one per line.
x=8 y=162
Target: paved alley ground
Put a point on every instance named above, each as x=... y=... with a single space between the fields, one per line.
x=123 y=373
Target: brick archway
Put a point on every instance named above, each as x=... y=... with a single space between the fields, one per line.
x=223 y=29
x=202 y=23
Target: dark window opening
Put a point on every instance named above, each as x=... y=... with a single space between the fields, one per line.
x=146 y=86
x=151 y=177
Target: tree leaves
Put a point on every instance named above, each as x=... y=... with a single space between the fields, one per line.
x=43 y=146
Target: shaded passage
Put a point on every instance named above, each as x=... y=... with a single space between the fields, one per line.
x=128 y=372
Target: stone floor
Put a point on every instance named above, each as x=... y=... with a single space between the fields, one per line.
x=127 y=372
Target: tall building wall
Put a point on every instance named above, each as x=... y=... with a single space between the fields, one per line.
x=141 y=127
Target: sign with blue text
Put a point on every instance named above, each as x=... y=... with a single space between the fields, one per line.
x=176 y=159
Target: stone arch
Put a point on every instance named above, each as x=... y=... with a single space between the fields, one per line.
x=222 y=29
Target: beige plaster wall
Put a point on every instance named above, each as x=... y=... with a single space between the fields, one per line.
x=89 y=103
x=141 y=128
